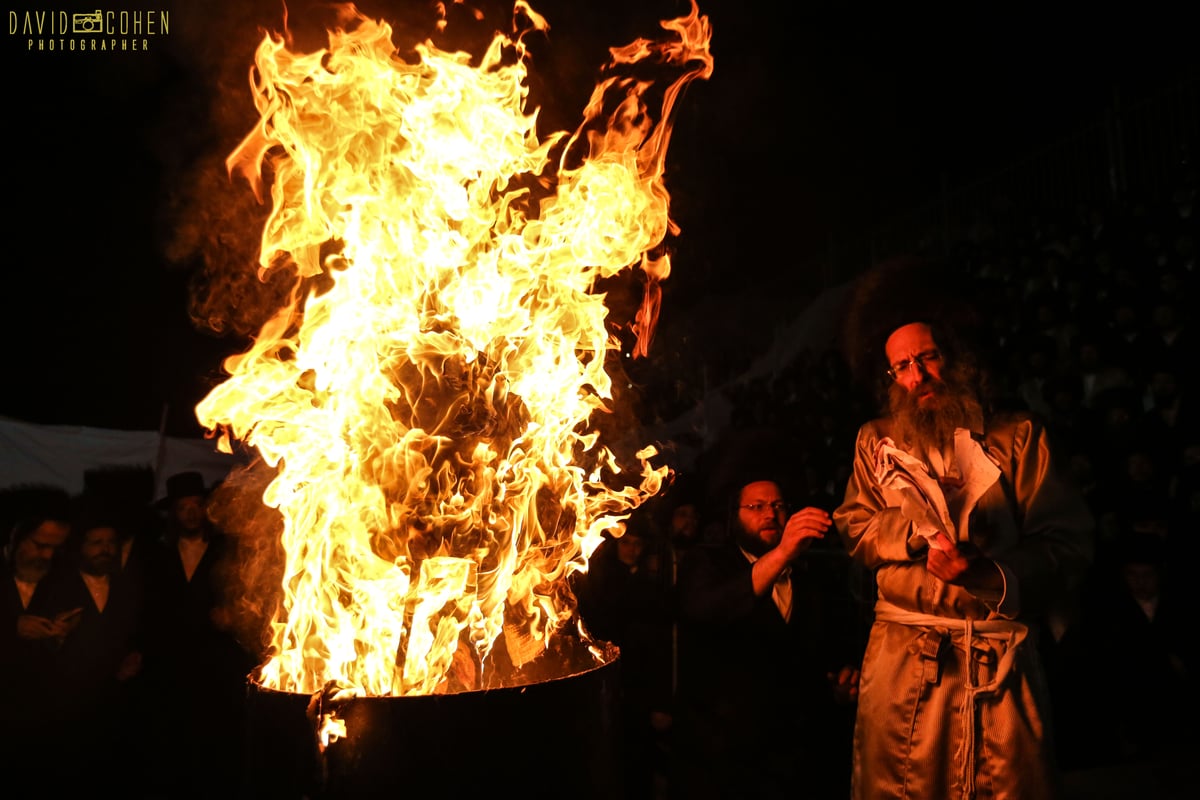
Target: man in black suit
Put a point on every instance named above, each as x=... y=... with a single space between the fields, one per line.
x=196 y=669
x=32 y=626
x=767 y=649
x=99 y=660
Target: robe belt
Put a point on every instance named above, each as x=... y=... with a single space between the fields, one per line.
x=1000 y=630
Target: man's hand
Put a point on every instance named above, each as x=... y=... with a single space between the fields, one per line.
x=948 y=561
x=845 y=684
x=33 y=627
x=68 y=621
x=798 y=534
x=130 y=666
x=802 y=528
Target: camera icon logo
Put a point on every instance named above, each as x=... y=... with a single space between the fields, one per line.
x=88 y=23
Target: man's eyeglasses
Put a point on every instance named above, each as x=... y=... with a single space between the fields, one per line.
x=920 y=359
x=758 y=508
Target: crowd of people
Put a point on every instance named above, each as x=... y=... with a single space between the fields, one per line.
x=1079 y=329
x=946 y=557
x=119 y=667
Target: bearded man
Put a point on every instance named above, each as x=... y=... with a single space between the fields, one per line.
x=32 y=626
x=973 y=538
x=768 y=655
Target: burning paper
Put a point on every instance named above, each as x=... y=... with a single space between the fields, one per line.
x=427 y=407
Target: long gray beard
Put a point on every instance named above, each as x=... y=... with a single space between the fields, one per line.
x=928 y=429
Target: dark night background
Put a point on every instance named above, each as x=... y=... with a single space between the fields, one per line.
x=816 y=126
x=824 y=130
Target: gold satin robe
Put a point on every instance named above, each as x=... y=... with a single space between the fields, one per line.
x=932 y=723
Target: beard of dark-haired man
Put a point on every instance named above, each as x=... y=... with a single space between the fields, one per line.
x=929 y=425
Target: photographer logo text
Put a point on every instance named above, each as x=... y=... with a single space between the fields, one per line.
x=99 y=30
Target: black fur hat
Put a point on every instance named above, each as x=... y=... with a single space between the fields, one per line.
x=749 y=455
x=900 y=291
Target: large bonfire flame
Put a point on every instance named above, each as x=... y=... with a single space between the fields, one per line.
x=427 y=410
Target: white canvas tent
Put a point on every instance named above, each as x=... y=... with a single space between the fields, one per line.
x=60 y=454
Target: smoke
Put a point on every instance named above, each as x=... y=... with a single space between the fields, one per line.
x=252 y=582
x=212 y=222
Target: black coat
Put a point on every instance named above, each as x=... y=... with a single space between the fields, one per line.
x=24 y=664
x=28 y=695
x=195 y=671
x=755 y=711
x=88 y=661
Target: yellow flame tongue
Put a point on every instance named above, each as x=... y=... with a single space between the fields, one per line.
x=426 y=410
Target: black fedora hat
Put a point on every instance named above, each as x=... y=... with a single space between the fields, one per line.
x=183 y=484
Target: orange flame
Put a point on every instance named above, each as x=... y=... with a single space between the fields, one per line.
x=427 y=408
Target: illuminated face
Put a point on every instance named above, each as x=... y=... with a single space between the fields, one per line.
x=762 y=512
x=35 y=553
x=98 y=551
x=914 y=361
x=189 y=512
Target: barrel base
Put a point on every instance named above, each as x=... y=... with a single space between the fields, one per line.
x=553 y=737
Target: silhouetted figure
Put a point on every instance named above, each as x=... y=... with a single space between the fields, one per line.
x=195 y=668
x=99 y=661
x=623 y=599
x=32 y=626
x=1149 y=673
x=767 y=647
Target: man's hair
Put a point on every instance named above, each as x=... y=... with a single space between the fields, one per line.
x=26 y=507
x=908 y=290
x=733 y=523
x=91 y=511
